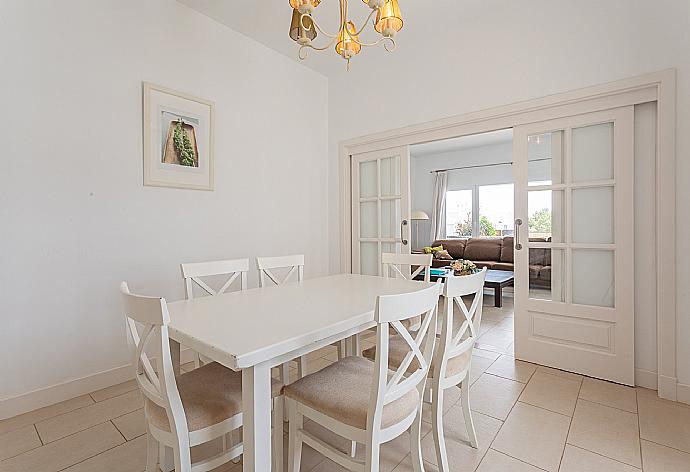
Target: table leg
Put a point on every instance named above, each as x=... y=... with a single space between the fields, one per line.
x=498 y=296
x=175 y=356
x=256 y=415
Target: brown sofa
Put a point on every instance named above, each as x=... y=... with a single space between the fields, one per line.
x=497 y=253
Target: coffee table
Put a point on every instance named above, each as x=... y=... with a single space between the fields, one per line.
x=495 y=279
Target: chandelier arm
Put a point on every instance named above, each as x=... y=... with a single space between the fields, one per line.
x=364 y=25
x=380 y=40
x=394 y=45
x=319 y=28
x=315 y=48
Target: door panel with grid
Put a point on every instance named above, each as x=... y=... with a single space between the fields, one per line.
x=380 y=207
x=574 y=257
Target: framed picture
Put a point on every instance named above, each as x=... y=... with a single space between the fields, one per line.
x=178 y=139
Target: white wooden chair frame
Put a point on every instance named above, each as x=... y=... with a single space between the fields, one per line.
x=397 y=261
x=159 y=386
x=194 y=273
x=390 y=311
x=451 y=345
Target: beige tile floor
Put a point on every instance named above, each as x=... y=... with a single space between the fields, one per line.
x=528 y=419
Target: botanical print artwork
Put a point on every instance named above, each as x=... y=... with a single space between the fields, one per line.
x=180 y=141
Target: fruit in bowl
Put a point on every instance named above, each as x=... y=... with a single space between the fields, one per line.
x=463 y=267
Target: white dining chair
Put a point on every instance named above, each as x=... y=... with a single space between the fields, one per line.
x=364 y=401
x=194 y=408
x=453 y=354
x=400 y=265
x=196 y=274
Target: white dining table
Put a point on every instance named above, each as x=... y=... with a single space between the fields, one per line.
x=254 y=330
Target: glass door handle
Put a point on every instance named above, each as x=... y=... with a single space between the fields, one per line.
x=403 y=223
x=518 y=245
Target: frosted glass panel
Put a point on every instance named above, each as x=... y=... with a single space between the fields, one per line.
x=369 y=258
x=367 y=179
x=593 y=215
x=593 y=277
x=546 y=219
x=545 y=158
x=390 y=176
x=368 y=227
x=593 y=153
x=547 y=274
x=390 y=218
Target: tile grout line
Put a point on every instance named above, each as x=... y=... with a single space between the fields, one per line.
x=570 y=424
x=605 y=457
x=39 y=435
x=116 y=428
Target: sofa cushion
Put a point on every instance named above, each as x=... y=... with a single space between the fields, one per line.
x=537 y=256
x=483 y=249
x=455 y=247
x=507 y=249
x=503 y=266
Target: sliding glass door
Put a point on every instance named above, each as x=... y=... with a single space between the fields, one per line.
x=380 y=207
x=574 y=244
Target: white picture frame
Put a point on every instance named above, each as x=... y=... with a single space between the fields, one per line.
x=178 y=139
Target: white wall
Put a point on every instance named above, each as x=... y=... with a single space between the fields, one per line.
x=75 y=218
x=500 y=52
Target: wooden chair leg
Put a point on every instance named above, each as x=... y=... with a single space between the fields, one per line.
x=295 y=439
x=302 y=366
x=353 y=448
x=416 y=442
x=183 y=459
x=372 y=456
x=467 y=413
x=437 y=427
x=151 y=453
x=235 y=439
x=356 y=347
x=278 y=414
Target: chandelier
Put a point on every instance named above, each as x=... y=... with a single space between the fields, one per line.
x=304 y=28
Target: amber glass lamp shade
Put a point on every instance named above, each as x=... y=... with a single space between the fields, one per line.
x=305 y=6
x=298 y=32
x=347 y=45
x=388 y=19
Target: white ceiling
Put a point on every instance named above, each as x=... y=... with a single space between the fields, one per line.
x=464 y=142
x=268 y=22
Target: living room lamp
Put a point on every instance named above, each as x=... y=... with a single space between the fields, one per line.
x=303 y=27
x=418 y=215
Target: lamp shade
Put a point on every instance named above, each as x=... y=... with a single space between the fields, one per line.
x=298 y=32
x=388 y=19
x=418 y=215
x=348 y=42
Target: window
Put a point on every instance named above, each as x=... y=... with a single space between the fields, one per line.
x=496 y=210
x=483 y=210
x=459 y=213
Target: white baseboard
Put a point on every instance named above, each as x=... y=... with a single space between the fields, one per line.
x=46 y=396
x=683 y=393
x=668 y=387
x=647 y=379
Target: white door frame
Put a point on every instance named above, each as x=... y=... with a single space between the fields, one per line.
x=658 y=86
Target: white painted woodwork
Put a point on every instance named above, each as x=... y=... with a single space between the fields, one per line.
x=380 y=207
x=311 y=314
x=454 y=343
x=658 y=86
x=391 y=311
x=400 y=265
x=147 y=321
x=587 y=323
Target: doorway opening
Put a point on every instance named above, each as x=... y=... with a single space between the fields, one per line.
x=462 y=194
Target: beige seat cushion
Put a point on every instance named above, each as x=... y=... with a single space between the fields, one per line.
x=210 y=394
x=398 y=349
x=343 y=390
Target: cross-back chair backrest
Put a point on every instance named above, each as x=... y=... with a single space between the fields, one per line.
x=391 y=313
x=394 y=263
x=456 y=342
x=195 y=272
x=156 y=384
x=267 y=266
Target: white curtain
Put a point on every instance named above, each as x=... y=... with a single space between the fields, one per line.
x=438 y=214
